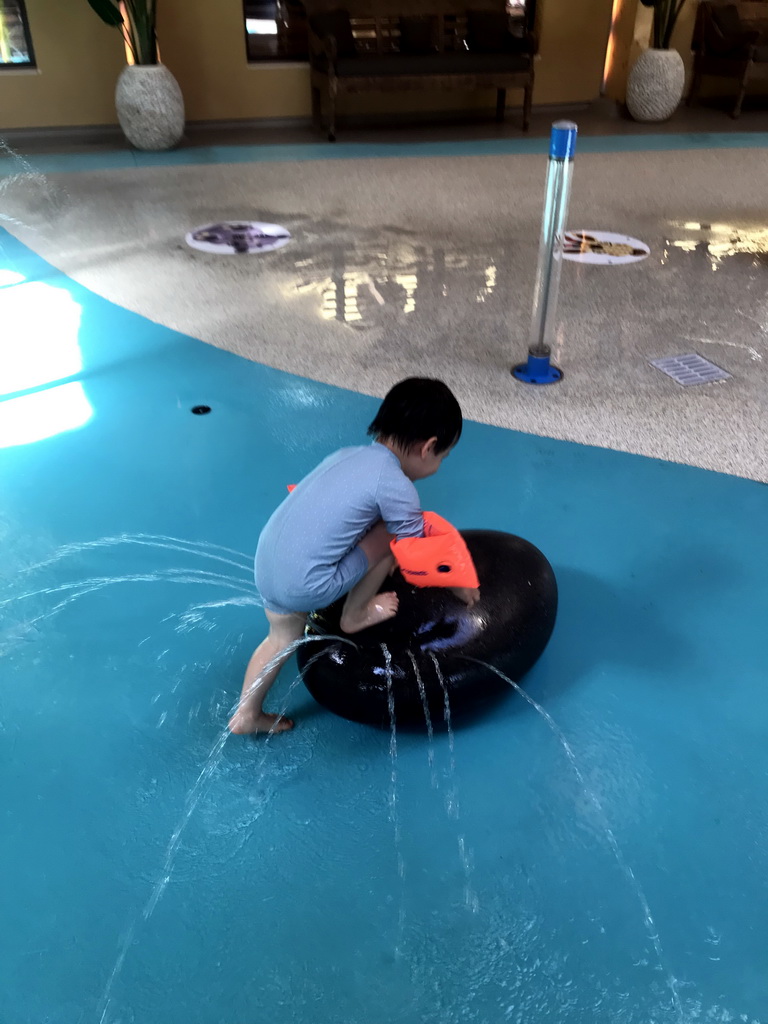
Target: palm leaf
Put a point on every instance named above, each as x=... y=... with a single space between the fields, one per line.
x=108 y=12
x=674 y=14
x=136 y=20
x=141 y=18
x=665 y=15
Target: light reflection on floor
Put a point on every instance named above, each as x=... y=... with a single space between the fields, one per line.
x=353 y=284
x=719 y=241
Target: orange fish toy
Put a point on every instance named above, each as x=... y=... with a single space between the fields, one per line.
x=438 y=559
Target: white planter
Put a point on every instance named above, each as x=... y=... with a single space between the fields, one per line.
x=150 y=107
x=655 y=85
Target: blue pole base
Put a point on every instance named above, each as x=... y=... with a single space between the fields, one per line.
x=538 y=370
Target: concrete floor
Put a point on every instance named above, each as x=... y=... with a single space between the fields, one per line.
x=424 y=265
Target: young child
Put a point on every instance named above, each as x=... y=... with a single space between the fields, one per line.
x=331 y=536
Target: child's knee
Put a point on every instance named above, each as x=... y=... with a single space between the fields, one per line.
x=285 y=629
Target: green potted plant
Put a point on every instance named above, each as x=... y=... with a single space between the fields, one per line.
x=150 y=107
x=657 y=79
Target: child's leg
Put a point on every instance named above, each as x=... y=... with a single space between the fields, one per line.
x=284 y=630
x=364 y=605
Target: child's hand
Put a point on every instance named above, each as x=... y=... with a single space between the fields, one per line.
x=469 y=595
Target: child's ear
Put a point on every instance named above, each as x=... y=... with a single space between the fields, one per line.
x=428 y=448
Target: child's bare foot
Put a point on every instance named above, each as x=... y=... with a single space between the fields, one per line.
x=243 y=723
x=380 y=608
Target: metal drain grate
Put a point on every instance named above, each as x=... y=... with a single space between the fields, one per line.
x=690 y=369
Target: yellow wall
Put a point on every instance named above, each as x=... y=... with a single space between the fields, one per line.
x=574 y=37
x=78 y=57
x=202 y=42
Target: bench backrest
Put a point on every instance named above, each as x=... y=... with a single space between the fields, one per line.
x=752 y=14
x=382 y=34
x=376 y=23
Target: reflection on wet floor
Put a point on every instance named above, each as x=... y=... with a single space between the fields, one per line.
x=362 y=285
x=717 y=241
x=357 y=283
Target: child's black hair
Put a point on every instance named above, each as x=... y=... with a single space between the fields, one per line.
x=415 y=410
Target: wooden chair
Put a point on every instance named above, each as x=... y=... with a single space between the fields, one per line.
x=418 y=45
x=730 y=40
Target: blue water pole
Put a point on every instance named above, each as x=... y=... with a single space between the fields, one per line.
x=538 y=369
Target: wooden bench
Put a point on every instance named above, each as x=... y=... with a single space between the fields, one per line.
x=419 y=45
x=730 y=40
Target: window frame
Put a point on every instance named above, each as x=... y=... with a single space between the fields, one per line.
x=31 y=63
x=267 y=60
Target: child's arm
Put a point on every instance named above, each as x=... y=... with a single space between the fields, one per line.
x=400 y=510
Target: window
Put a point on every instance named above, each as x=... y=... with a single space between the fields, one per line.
x=15 y=41
x=275 y=30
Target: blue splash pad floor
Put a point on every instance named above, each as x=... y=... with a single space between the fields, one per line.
x=284 y=901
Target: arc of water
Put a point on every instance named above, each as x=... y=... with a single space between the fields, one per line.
x=158 y=576
x=453 y=806
x=393 y=808
x=427 y=720
x=84 y=587
x=194 y=796
x=28 y=175
x=648 y=921
x=204 y=549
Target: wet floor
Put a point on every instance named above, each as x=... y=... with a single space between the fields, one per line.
x=601 y=865
x=602 y=868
